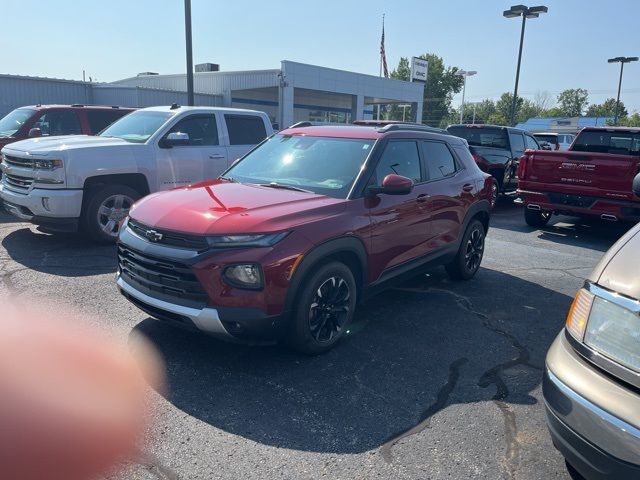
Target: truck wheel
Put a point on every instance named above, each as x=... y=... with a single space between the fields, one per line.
x=467 y=261
x=105 y=210
x=495 y=190
x=324 y=309
x=536 y=218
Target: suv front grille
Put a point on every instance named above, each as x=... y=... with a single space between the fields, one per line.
x=176 y=239
x=160 y=275
x=18 y=183
x=18 y=161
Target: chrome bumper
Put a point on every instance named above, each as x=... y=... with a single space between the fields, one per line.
x=205 y=319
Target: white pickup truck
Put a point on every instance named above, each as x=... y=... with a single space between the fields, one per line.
x=89 y=183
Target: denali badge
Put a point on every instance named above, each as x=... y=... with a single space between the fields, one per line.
x=153 y=235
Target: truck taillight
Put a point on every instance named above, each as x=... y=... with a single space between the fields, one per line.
x=522 y=167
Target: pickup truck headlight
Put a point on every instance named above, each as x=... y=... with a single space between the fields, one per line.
x=47 y=164
x=234 y=241
x=614 y=331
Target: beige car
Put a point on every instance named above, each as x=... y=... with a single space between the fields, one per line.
x=591 y=382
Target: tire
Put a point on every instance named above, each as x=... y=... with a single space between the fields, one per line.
x=102 y=217
x=467 y=261
x=536 y=218
x=495 y=191
x=315 y=326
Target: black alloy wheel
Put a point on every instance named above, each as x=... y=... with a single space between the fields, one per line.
x=469 y=257
x=330 y=309
x=474 y=250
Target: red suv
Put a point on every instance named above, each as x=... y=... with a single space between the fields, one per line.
x=286 y=242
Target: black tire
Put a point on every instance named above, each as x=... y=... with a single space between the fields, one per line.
x=96 y=223
x=336 y=281
x=467 y=261
x=495 y=191
x=536 y=218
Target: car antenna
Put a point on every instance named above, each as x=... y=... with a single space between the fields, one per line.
x=174 y=106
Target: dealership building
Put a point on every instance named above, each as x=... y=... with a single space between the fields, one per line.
x=292 y=93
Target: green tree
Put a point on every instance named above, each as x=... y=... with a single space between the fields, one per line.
x=606 y=109
x=526 y=110
x=503 y=108
x=442 y=83
x=630 y=121
x=573 y=102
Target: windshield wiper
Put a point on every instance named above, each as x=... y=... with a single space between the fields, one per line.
x=284 y=187
x=228 y=179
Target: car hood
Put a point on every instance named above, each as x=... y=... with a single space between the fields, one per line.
x=618 y=269
x=221 y=207
x=44 y=145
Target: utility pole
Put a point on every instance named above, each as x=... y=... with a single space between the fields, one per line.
x=187 y=30
x=622 y=61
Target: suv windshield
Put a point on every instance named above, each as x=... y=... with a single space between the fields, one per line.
x=138 y=126
x=14 y=121
x=481 y=136
x=327 y=166
x=619 y=143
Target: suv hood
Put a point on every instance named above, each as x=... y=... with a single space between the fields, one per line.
x=221 y=207
x=44 y=145
x=618 y=269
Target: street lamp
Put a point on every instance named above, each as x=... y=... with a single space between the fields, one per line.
x=524 y=12
x=465 y=74
x=622 y=61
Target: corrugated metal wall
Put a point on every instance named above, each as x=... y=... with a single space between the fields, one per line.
x=148 y=97
x=17 y=91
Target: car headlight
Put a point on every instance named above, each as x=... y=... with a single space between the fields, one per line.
x=48 y=164
x=614 y=331
x=244 y=276
x=258 y=240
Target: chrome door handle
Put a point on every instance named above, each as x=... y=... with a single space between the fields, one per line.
x=215 y=156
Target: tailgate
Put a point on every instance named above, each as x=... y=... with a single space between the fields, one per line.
x=583 y=173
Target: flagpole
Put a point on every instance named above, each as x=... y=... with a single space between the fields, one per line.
x=381 y=54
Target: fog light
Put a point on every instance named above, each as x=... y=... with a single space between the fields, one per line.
x=244 y=276
x=45 y=203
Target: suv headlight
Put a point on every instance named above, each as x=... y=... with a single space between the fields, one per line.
x=47 y=164
x=234 y=241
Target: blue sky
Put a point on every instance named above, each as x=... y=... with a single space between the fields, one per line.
x=566 y=48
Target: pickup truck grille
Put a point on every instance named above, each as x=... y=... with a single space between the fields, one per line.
x=176 y=239
x=160 y=275
x=18 y=183
x=18 y=161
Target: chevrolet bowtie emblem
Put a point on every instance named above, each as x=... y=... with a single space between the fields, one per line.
x=153 y=235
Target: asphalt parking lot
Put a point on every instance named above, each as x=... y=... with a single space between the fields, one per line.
x=437 y=380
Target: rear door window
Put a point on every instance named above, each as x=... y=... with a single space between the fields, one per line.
x=517 y=144
x=101 y=119
x=202 y=130
x=402 y=158
x=245 y=129
x=61 y=122
x=439 y=160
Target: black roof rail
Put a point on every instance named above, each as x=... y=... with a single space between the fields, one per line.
x=77 y=105
x=115 y=106
x=301 y=125
x=413 y=127
x=174 y=106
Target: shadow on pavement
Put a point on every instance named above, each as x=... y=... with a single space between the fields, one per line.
x=413 y=351
x=67 y=255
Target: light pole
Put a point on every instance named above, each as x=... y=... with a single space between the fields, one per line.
x=524 y=12
x=187 y=32
x=622 y=61
x=465 y=74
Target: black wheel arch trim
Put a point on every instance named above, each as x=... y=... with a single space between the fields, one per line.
x=311 y=259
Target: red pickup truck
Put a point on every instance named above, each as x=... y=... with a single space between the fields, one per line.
x=594 y=177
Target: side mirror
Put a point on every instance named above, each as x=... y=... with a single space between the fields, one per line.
x=35 y=132
x=393 y=185
x=636 y=185
x=175 y=139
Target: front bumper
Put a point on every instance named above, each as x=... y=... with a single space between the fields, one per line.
x=592 y=418
x=582 y=205
x=44 y=207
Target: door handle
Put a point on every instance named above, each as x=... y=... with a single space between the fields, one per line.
x=467 y=187
x=215 y=156
x=422 y=198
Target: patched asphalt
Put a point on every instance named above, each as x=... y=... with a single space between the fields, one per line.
x=437 y=379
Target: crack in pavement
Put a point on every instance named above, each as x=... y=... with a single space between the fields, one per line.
x=493 y=376
x=441 y=401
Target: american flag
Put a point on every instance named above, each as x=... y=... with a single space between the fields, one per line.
x=383 y=56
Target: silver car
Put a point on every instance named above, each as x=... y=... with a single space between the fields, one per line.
x=591 y=381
